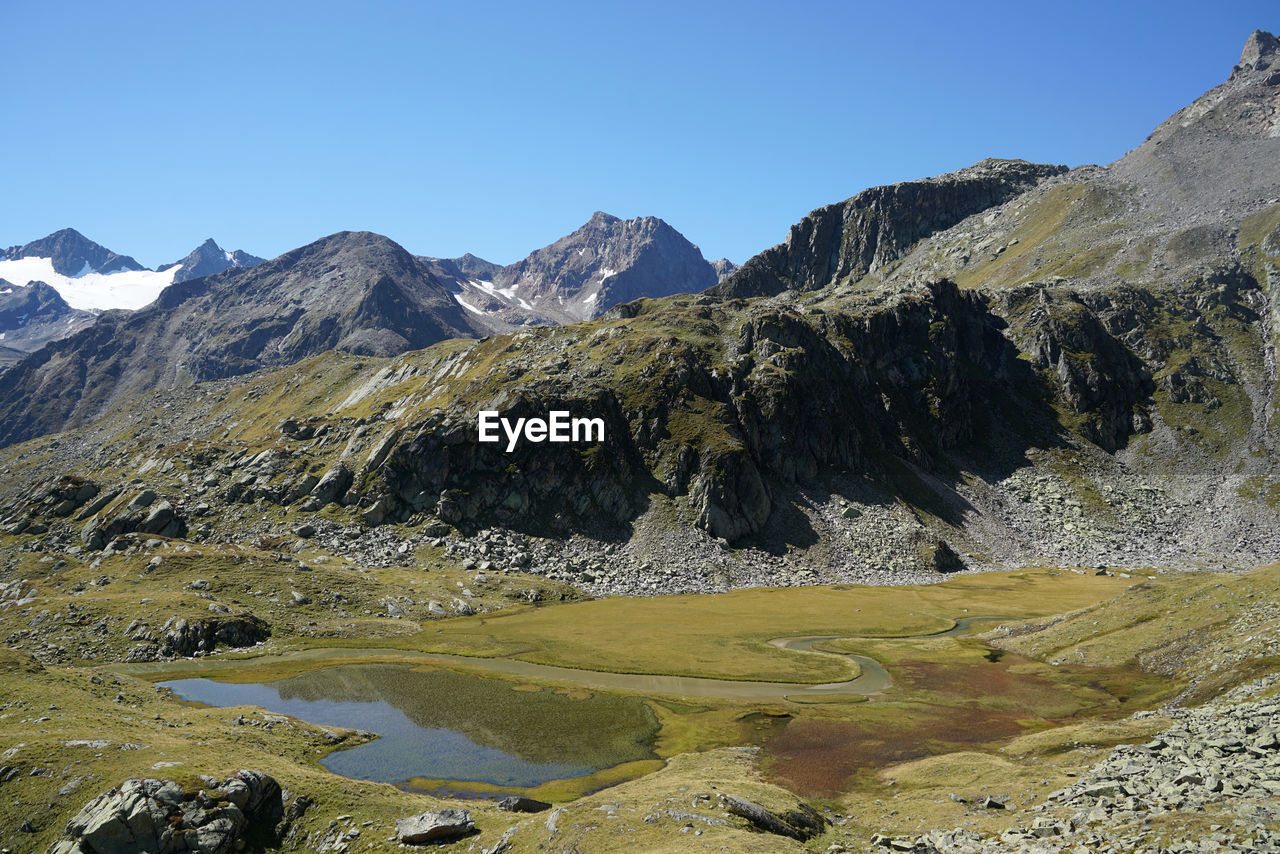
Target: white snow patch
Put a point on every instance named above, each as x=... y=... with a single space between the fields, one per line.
x=230 y=258
x=467 y=305
x=488 y=288
x=524 y=303
x=591 y=300
x=90 y=290
x=606 y=272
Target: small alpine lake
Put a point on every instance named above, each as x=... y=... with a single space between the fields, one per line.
x=444 y=725
x=559 y=701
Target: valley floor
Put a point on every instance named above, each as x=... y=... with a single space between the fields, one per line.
x=1092 y=711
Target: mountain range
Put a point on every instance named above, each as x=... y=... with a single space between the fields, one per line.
x=90 y=277
x=992 y=349
x=357 y=292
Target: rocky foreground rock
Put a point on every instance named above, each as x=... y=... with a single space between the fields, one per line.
x=159 y=817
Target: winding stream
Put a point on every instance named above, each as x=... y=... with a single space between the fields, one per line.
x=872 y=680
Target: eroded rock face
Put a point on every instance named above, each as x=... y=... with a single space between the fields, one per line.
x=185 y=638
x=57 y=499
x=158 y=817
x=793 y=396
x=1096 y=374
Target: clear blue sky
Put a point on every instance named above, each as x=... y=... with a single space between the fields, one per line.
x=495 y=128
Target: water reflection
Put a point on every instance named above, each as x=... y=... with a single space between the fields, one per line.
x=450 y=726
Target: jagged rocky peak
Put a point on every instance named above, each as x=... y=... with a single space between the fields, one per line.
x=600 y=219
x=607 y=261
x=1261 y=52
x=73 y=254
x=1221 y=151
x=465 y=270
x=209 y=258
x=474 y=265
x=724 y=268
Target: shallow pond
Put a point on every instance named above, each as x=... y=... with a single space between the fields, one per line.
x=439 y=724
x=450 y=726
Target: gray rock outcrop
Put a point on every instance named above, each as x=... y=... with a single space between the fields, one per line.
x=802 y=822
x=159 y=817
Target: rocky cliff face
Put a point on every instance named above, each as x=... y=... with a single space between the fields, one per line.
x=846 y=241
x=920 y=380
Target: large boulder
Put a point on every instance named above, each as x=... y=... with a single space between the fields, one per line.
x=158 y=817
x=433 y=826
x=332 y=486
x=519 y=803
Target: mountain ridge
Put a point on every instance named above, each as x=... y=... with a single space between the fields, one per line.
x=352 y=290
